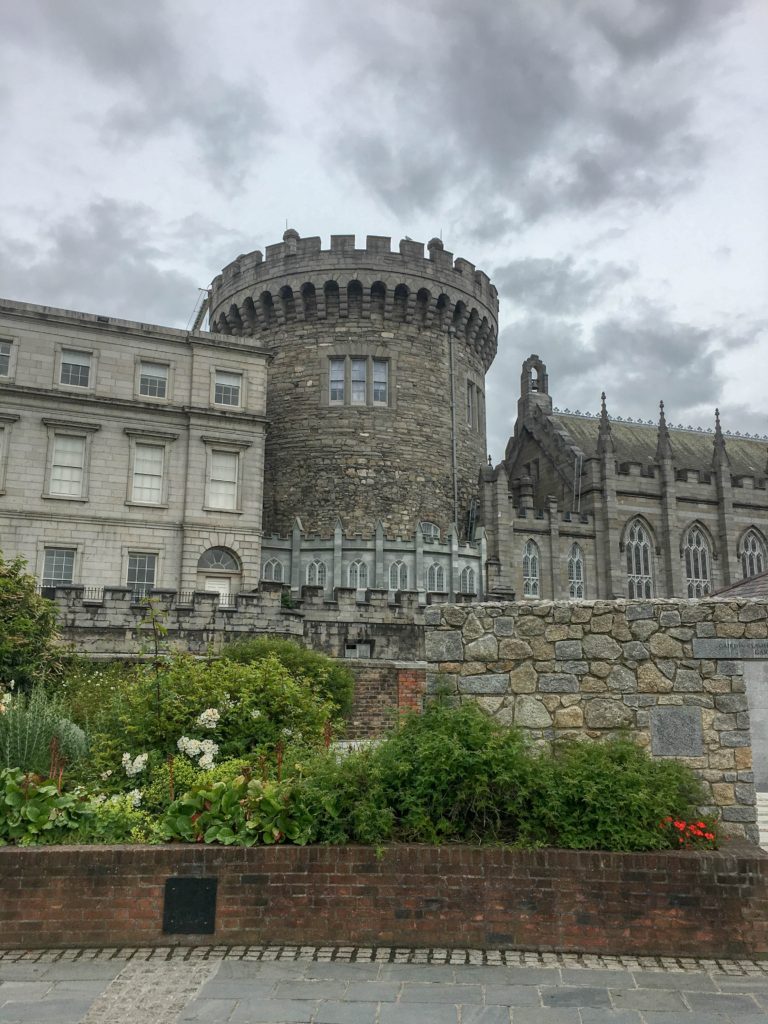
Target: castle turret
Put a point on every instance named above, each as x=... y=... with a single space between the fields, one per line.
x=376 y=393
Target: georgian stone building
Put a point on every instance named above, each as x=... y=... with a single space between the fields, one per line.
x=599 y=507
x=329 y=432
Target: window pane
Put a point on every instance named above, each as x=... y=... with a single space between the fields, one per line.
x=470 y=404
x=67 y=466
x=358 y=396
x=148 y=473
x=5 y=358
x=222 y=490
x=227 y=388
x=75 y=368
x=59 y=566
x=141 y=573
x=337 y=380
x=381 y=381
x=154 y=380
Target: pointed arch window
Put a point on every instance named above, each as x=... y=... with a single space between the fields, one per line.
x=639 y=561
x=272 y=571
x=398 y=576
x=531 y=585
x=358 y=574
x=697 y=560
x=435 y=578
x=467 y=580
x=752 y=555
x=576 y=580
x=316 y=573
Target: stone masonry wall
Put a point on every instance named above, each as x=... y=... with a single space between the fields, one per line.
x=670 y=672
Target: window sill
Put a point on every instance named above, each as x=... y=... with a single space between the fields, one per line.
x=147 y=504
x=227 y=511
x=80 y=389
x=63 y=497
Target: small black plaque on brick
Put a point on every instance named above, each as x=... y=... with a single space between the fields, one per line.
x=190 y=906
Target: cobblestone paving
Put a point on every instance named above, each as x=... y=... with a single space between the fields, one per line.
x=346 y=985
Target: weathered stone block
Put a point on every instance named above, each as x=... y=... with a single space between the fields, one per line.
x=600 y=713
x=443 y=645
x=664 y=646
x=492 y=682
x=639 y=611
x=514 y=649
x=676 y=731
x=732 y=702
x=688 y=680
x=576 y=668
x=636 y=651
x=739 y=738
x=523 y=679
x=530 y=713
x=643 y=629
x=602 y=647
x=739 y=813
x=484 y=649
x=565 y=649
x=622 y=680
x=504 y=625
x=558 y=684
x=669 y=618
x=471 y=629
x=569 y=718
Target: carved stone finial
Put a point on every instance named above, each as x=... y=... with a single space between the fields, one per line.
x=720 y=455
x=604 y=437
x=663 y=444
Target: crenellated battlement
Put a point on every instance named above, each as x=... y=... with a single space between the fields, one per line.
x=298 y=281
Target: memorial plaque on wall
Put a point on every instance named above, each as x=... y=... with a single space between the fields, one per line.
x=676 y=731
x=736 y=650
x=190 y=906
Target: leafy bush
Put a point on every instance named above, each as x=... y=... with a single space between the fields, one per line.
x=116 y=820
x=329 y=678
x=32 y=810
x=30 y=650
x=219 y=709
x=28 y=725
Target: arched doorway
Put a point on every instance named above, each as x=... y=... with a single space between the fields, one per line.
x=219 y=572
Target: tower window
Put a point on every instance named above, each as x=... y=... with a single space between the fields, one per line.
x=358 y=381
x=337 y=380
x=752 y=555
x=575 y=573
x=531 y=570
x=639 y=561
x=697 y=560
x=380 y=382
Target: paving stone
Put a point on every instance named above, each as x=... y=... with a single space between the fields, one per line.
x=304 y=988
x=347 y=972
x=39 y=1011
x=84 y=970
x=242 y=970
x=417 y=992
x=686 y=1017
x=231 y=989
x=270 y=1011
x=547 y=1015
x=346 y=1013
x=367 y=991
x=21 y=970
x=416 y=972
x=593 y=977
x=732 y=1003
x=506 y=975
x=648 y=999
x=512 y=995
x=594 y=1015
x=417 y=1013
x=577 y=996
x=207 y=1011
x=485 y=1015
x=683 y=981
x=22 y=990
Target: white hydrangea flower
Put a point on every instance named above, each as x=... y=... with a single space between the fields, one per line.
x=255 y=713
x=100 y=798
x=105 y=775
x=209 y=718
x=135 y=797
x=205 y=750
x=136 y=765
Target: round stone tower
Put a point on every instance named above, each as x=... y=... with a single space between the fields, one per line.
x=376 y=388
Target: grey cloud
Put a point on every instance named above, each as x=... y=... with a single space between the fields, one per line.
x=131 y=51
x=538 y=108
x=100 y=261
x=557 y=286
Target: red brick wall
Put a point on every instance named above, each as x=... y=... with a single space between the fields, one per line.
x=382 y=689
x=685 y=904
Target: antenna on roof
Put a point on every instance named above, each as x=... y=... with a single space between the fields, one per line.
x=197 y=315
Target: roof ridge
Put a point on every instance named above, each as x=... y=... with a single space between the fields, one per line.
x=652 y=423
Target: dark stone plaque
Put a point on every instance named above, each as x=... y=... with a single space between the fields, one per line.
x=676 y=731
x=190 y=906
x=722 y=647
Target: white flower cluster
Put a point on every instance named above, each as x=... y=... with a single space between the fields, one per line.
x=209 y=718
x=255 y=713
x=204 y=750
x=135 y=797
x=136 y=765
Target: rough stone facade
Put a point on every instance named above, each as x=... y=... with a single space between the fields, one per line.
x=411 y=454
x=571 y=482
x=671 y=673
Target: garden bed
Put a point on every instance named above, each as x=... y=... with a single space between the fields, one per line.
x=665 y=903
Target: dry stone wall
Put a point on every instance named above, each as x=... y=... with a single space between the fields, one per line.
x=670 y=672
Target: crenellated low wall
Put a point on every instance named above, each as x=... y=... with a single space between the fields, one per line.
x=669 y=672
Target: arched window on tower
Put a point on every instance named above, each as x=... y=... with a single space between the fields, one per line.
x=358 y=574
x=639 y=560
x=467 y=580
x=697 y=560
x=398 y=576
x=576 y=579
x=531 y=587
x=435 y=578
x=272 y=571
x=752 y=554
x=316 y=573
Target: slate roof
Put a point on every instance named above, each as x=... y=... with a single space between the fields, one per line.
x=691 y=449
x=754 y=586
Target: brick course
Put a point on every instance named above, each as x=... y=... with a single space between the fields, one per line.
x=712 y=904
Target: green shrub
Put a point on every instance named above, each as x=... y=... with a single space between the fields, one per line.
x=28 y=726
x=33 y=811
x=253 y=707
x=30 y=650
x=116 y=820
x=328 y=677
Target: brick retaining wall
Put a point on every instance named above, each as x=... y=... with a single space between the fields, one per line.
x=666 y=904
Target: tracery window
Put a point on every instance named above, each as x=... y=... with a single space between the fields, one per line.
x=467 y=580
x=697 y=560
x=316 y=573
x=531 y=586
x=752 y=555
x=430 y=531
x=435 y=578
x=273 y=571
x=218 y=560
x=575 y=573
x=398 y=576
x=639 y=561
x=358 y=574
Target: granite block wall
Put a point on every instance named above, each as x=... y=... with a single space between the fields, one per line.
x=670 y=673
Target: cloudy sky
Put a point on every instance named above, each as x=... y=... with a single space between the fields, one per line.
x=605 y=161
